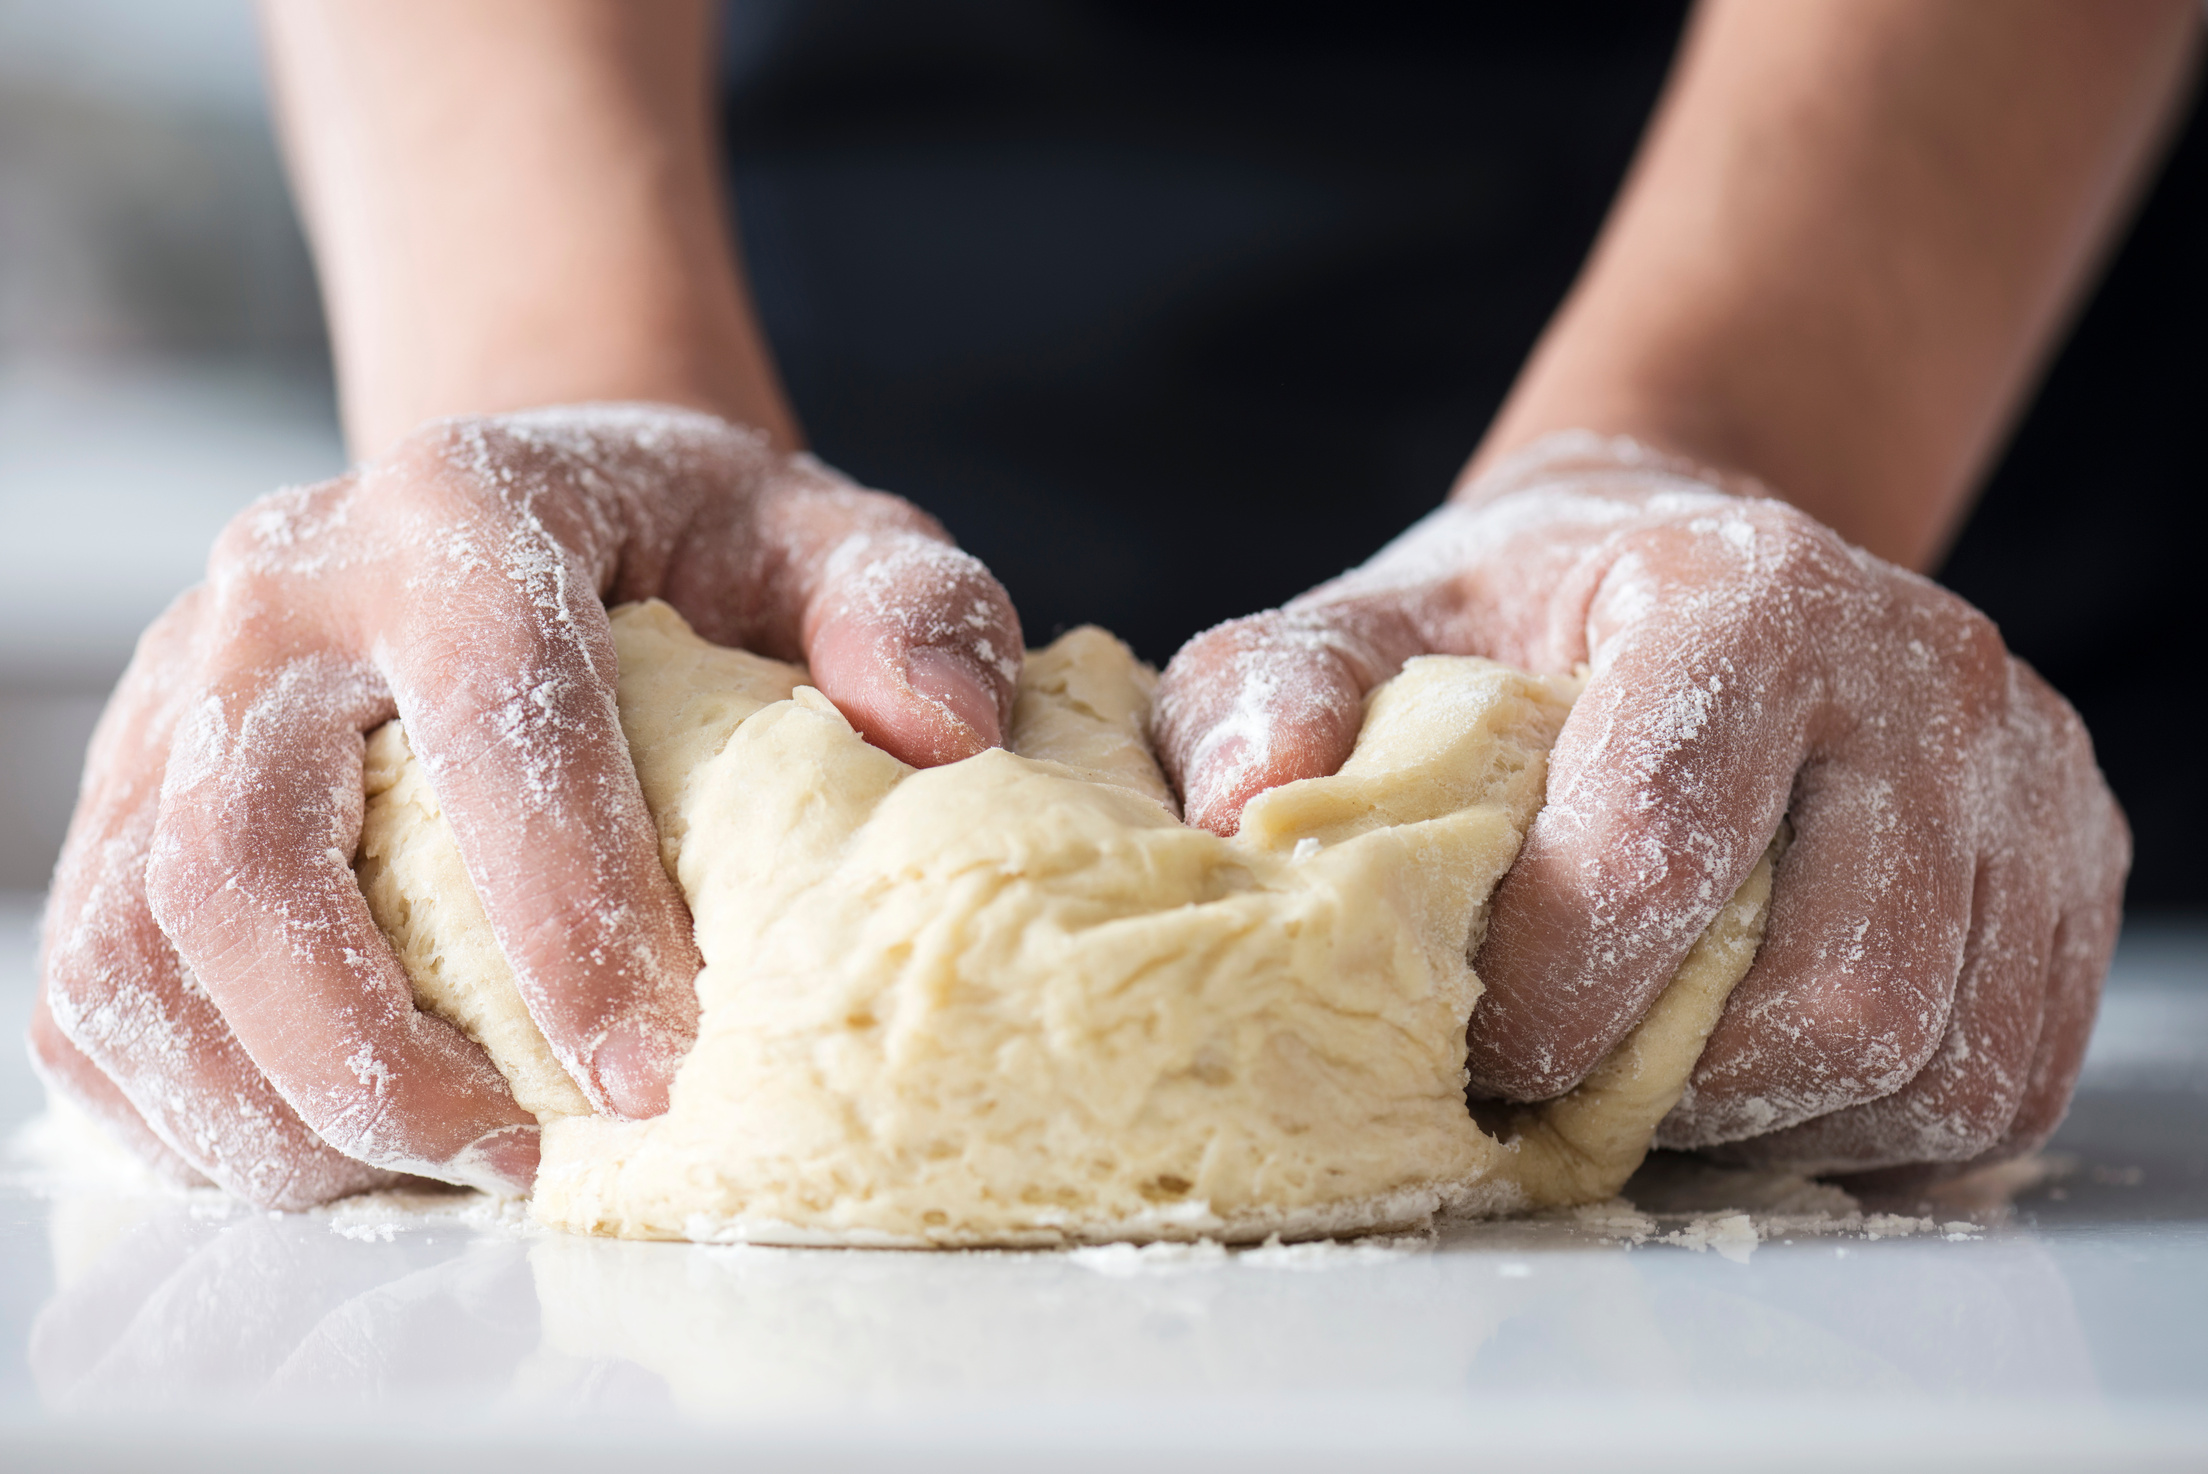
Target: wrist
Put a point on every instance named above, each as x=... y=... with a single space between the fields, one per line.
x=1595 y=462
x=554 y=235
x=633 y=328
x=510 y=374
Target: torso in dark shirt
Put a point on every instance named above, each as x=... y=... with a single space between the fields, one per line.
x=1170 y=309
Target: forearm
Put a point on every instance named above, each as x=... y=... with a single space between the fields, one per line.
x=514 y=203
x=1852 y=235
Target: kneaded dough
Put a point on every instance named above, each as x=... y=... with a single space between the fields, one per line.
x=1015 y=1001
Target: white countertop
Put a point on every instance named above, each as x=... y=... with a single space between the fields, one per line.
x=2068 y=1332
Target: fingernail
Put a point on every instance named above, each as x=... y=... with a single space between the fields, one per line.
x=502 y=1162
x=635 y=1066
x=947 y=680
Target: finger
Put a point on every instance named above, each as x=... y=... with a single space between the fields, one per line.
x=1266 y=700
x=2070 y=990
x=2083 y=944
x=250 y=876
x=506 y=682
x=2091 y=865
x=70 y=1075
x=117 y=992
x=120 y=995
x=2034 y=778
x=1854 y=986
x=1664 y=788
x=1965 y=1097
x=917 y=643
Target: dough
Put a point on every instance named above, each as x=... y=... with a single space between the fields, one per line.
x=1015 y=1001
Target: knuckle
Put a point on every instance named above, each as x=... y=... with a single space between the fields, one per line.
x=470 y=469
x=1209 y=657
x=884 y=512
x=359 y=1124
x=294 y=1180
x=1862 y=1034
x=1940 y=1128
x=550 y=713
x=183 y=866
x=1271 y=673
x=918 y=590
x=1757 y=583
x=1981 y=653
x=1965 y=644
x=53 y=1053
x=1653 y=871
x=73 y=1005
x=1980 y=1124
x=476 y=443
x=173 y=627
x=94 y=994
x=264 y=538
x=1785 y=547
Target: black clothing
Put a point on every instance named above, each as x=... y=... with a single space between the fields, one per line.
x=1172 y=308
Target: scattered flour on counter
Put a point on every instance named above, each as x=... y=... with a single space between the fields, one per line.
x=367 y=1233
x=63 y=1148
x=1336 y=1253
x=1162 y=1257
x=1679 y=1202
x=381 y=1216
x=1203 y=1254
x=1691 y=1204
x=1736 y=1233
x=1616 y=1221
x=1733 y=1235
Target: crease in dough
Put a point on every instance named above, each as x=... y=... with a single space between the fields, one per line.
x=1015 y=1001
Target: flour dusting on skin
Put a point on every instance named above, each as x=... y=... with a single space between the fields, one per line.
x=1743 y=664
x=460 y=581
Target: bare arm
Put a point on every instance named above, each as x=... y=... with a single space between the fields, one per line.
x=516 y=203
x=1851 y=238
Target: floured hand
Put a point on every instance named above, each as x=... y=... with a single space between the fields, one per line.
x=213 y=985
x=1944 y=917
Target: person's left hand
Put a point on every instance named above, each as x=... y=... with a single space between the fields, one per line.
x=1939 y=927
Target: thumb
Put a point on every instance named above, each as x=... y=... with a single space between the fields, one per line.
x=1258 y=702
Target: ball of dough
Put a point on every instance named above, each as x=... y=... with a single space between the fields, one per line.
x=1015 y=1001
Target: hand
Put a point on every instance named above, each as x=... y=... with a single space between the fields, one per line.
x=213 y=985
x=1943 y=919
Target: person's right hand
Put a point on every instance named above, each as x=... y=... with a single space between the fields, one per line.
x=213 y=987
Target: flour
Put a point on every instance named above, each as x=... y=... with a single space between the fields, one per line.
x=1325 y=1254
x=1120 y=1260
x=1701 y=1206
x=379 y=1217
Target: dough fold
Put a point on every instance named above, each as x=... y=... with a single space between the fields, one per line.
x=1015 y=1001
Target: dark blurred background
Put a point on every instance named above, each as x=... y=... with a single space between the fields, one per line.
x=1172 y=308
x=1169 y=308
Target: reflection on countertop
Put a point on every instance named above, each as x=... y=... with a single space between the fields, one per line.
x=170 y=1305
x=2075 y=1317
